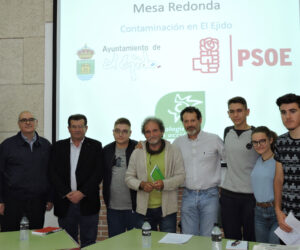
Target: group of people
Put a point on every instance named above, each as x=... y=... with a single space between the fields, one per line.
x=141 y=180
x=35 y=175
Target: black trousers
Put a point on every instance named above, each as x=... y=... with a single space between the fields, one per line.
x=237 y=214
x=15 y=209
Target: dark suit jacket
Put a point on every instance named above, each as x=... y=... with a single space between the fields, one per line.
x=89 y=174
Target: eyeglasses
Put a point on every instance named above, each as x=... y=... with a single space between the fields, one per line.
x=122 y=132
x=261 y=142
x=24 y=120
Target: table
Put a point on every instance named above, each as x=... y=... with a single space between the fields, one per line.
x=58 y=240
x=132 y=240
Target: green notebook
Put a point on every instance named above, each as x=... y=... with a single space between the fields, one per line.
x=156 y=174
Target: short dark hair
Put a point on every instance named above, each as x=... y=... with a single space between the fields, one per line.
x=122 y=120
x=77 y=117
x=190 y=109
x=238 y=99
x=158 y=121
x=287 y=99
x=269 y=133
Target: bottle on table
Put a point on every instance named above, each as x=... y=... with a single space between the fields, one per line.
x=146 y=235
x=24 y=228
x=216 y=238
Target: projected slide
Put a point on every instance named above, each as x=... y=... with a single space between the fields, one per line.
x=153 y=58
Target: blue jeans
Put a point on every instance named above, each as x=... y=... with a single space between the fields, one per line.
x=154 y=217
x=199 y=211
x=118 y=221
x=265 y=224
x=88 y=225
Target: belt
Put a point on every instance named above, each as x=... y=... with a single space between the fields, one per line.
x=200 y=190
x=265 y=204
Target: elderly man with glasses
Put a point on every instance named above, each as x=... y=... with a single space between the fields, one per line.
x=24 y=186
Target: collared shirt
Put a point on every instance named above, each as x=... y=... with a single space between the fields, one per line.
x=30 y=142
x=202 y=160
x=74 y=156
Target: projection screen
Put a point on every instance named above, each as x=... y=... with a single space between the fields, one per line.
x=138 y=58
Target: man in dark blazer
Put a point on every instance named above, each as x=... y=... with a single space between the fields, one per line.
x=76 y=172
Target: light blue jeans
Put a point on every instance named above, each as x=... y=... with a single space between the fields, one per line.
x=265 y=223
x=199 y=211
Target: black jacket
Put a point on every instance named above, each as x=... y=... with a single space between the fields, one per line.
x=108 y=159
x=89 y=173
x=24 y=173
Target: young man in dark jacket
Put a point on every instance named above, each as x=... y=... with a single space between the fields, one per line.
x=119 y=199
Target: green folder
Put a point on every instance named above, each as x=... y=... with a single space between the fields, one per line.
x=156 y=174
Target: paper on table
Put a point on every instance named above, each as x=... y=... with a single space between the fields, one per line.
x=173 y=238
x=242 y=245
x=263 y=246
x=292 y=238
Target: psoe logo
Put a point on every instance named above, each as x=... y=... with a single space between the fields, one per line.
x=85 y=65
x=169 y=107
x=208 y=61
